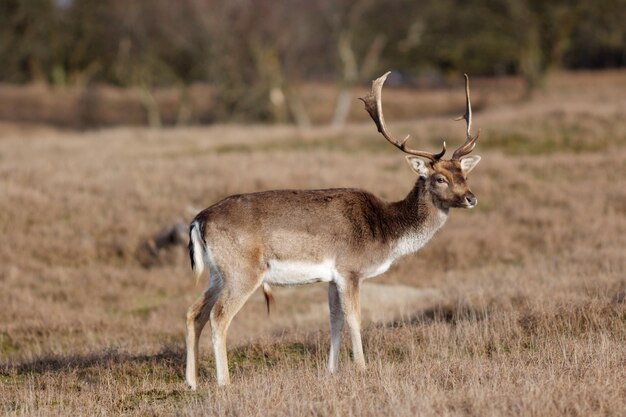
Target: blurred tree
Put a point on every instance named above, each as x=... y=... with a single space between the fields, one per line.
x=256 y=53
x=543 y=30
x=598 y=39
x=358 y=50
x=455 y=36
x=28 y=30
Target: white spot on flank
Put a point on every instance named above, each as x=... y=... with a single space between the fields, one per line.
x=298 y=273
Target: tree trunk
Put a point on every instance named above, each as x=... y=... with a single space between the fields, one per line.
x=349 y=76
x=150 y=106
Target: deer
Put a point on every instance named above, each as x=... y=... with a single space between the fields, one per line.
x=341 y=236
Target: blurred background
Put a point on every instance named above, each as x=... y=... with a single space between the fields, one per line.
x=120 y=120
x=89 y=63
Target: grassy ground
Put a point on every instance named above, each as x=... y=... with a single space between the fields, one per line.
x=520 y=306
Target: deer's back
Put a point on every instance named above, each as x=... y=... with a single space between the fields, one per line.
x=304 y=224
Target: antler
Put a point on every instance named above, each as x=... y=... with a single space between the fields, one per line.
x=374 y=106
x=470 y=141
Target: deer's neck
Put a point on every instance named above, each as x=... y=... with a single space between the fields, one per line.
x=417 y=218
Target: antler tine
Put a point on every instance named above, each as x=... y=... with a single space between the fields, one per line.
x=468 y=107
x=470 y=141
x=374 y=106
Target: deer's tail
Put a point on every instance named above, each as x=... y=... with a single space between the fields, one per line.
x=197 y=250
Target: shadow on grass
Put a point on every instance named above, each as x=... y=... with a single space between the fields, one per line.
x=450 y=314
x=166 y=357
x=170 y=360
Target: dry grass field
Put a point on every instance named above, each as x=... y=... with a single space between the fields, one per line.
x=515 y=308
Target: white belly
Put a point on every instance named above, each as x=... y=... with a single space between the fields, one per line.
x=299 y=273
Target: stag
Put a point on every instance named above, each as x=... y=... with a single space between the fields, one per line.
x=341 y=236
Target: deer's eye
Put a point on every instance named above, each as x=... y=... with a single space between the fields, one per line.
x=441 y=180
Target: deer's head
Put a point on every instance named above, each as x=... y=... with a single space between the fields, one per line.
x=445 y=179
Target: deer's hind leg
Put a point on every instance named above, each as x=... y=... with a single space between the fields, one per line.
x=197 y=317
x=238 y=285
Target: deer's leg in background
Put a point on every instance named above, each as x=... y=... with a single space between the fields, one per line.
x=350 y=301
x=336 y=325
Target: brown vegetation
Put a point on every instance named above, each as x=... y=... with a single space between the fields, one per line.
x=104 y=106
x=523 y=310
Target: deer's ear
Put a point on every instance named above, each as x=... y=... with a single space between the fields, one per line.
x=468 y=163
x=418 y=165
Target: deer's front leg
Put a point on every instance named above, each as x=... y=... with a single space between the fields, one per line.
x=351 y=305
x=336 y=325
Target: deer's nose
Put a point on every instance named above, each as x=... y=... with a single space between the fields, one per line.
x=471 y=200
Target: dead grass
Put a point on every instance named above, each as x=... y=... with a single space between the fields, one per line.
x=526 y=312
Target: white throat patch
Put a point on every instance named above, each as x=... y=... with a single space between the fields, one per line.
x=413 y=241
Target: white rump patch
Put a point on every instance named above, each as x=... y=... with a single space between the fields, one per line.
x=299 y=273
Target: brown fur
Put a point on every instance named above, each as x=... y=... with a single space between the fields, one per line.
x=458 y=190
x=350 y=224
x=341 y=236
x=358 y=231
x=310 y=224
